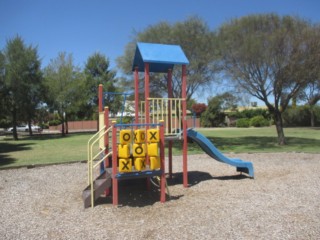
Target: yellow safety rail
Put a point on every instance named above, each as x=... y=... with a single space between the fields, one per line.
x=142 y=116
x=91 y=157
x=167 y=109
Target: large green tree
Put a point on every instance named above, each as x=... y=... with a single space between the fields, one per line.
x=65 y=85
x=3 y=108
x=97 y=71
x=22 y=82
x=269 y=56
x=311 y=93
x=214 y=114
x=196 y=40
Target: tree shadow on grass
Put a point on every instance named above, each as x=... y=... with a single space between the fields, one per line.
x=48 y=136
x=5 y=147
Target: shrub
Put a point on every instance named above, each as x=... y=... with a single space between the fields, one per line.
x=243 y=123
x=125 y=119
x=250 y=113
x=299 y=116
x=44 y=125
x=54 y=122
x=5 y=123
x=259 y=121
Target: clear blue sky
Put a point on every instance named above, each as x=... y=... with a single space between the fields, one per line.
x=82 y=27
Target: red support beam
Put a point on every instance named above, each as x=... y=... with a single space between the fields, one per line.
x=136 y=94
x=146 y=91
x=147 y=110
x=184 y=125
x=170 y=95
x=100 y=97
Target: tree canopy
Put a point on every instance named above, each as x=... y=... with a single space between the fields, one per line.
x=271 y=57
x=97 y=71
x=21 y=80
x=196 y=40
x=65 y=86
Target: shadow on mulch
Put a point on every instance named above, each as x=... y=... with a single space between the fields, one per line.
x=195 y=177
x=134 y=193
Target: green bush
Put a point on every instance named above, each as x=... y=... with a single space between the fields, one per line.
x=250 y=113
x=54 y=122
x=5 y=123
x=126 y=119
x=297 y=117
x=243 y=123
x=316 y=110
x=259 y=121
x=44 y=125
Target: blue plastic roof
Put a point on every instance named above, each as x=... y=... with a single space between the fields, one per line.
x=160 y=57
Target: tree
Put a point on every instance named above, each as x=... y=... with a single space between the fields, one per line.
x=97 y=72
x=34 y=84
x=198 y=108
x=196 y=40
x=22 y=82
x=311 y=95
x=214 y=114
x=3 y=108
x=270 y=57
x=65 y=85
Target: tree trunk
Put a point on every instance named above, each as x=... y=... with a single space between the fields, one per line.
x=14 y=122
x=67 y=126
x=30 y=129
x=62 y=128
x=312 y=117
x=279 y=127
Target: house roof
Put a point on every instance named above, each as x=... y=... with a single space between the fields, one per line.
x=160 y=57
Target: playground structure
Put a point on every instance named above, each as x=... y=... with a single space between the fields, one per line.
x=136 y=150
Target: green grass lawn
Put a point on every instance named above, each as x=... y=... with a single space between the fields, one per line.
x=251 y=140
x=46 y=149
x=43 y=149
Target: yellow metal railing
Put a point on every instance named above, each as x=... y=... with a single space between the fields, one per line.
x=92 y=164
x=167 y=109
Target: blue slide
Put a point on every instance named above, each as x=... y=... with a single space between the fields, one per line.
x=208 y=147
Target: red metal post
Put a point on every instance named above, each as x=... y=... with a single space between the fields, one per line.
x=170 y=95
x=184 y=125
x=147 y=113
x=100 y=96
x=146 y=91
x=114 y=165
x=162 y=159
x=136 y=94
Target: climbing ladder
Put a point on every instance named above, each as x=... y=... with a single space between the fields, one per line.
x=96 y=185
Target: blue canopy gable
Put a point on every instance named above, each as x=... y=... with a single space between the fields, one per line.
x=160 y=57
